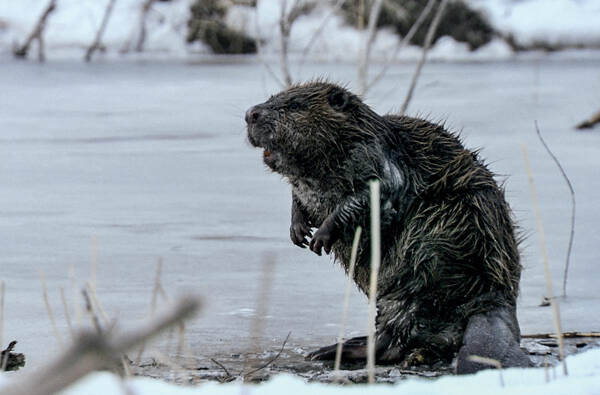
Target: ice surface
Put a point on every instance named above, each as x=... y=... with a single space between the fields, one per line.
x=152 y=161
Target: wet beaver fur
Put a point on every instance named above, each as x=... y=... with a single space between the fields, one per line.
x=450 y=267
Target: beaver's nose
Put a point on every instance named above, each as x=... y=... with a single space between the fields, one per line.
x=254 y=114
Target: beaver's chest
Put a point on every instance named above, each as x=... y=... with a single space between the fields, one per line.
x=317 y=202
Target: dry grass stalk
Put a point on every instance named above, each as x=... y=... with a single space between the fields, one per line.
x=542 y=238
x=568 y=181
x=67 y=314
x=94 y=273
x=375 y=262
x=96 y=304
x=95 y=351
x=426 y=45
x=50 y=313
x=2 y=294
x=74 y=296
x=488 y=361
x=349 y=282
x=153 y=303
x=257 y=326
x=90 y=309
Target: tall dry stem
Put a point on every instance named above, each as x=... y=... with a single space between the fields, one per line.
x=66 y=311
x=49 y=310
x=2 y=294
x=542 y=239
x=375 y=262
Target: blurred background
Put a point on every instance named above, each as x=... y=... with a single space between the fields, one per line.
x=123 y=144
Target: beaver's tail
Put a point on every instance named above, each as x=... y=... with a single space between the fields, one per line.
x=494 y=335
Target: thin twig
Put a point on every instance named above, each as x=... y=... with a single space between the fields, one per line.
x=49 y=310
x=568 y=181
x=540 y=227
x=270 y=361
x=349 y=282
x=375 y=262
x=219 y=364
x=426 y=45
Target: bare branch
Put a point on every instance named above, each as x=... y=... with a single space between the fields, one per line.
x=426 y=45
x=338 y=5
x=363 y=60
x=97 y=43
x=405 y=41
x=36 y=34
x=141 y=38
x=589 y=123
x=572 y=234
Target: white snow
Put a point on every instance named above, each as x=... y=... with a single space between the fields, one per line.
x=556 y=22
x=73 y=25
x=583 y=379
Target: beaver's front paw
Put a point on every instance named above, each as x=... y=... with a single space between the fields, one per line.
x=299 y=231
x=323 y=238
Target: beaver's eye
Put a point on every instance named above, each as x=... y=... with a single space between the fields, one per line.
x=294 y=106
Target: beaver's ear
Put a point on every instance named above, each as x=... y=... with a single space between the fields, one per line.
x=338 y=99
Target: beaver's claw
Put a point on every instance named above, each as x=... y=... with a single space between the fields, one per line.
x=324 y=239
x=299 y=231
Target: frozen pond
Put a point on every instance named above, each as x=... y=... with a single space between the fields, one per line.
x=151 y=161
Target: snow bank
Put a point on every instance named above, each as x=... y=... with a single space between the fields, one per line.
x=583 y=379
x=560 y=23
x=74 y=23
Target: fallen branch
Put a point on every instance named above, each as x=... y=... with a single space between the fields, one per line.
x=569 y=335
x=590 y=123
x=571 y=236
x=94 y=351
x=10 y=360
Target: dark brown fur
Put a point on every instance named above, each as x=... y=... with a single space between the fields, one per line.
x=450 y=266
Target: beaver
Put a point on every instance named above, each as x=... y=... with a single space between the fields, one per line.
x=449 y=274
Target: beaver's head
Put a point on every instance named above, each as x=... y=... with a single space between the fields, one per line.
x=306 y=127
